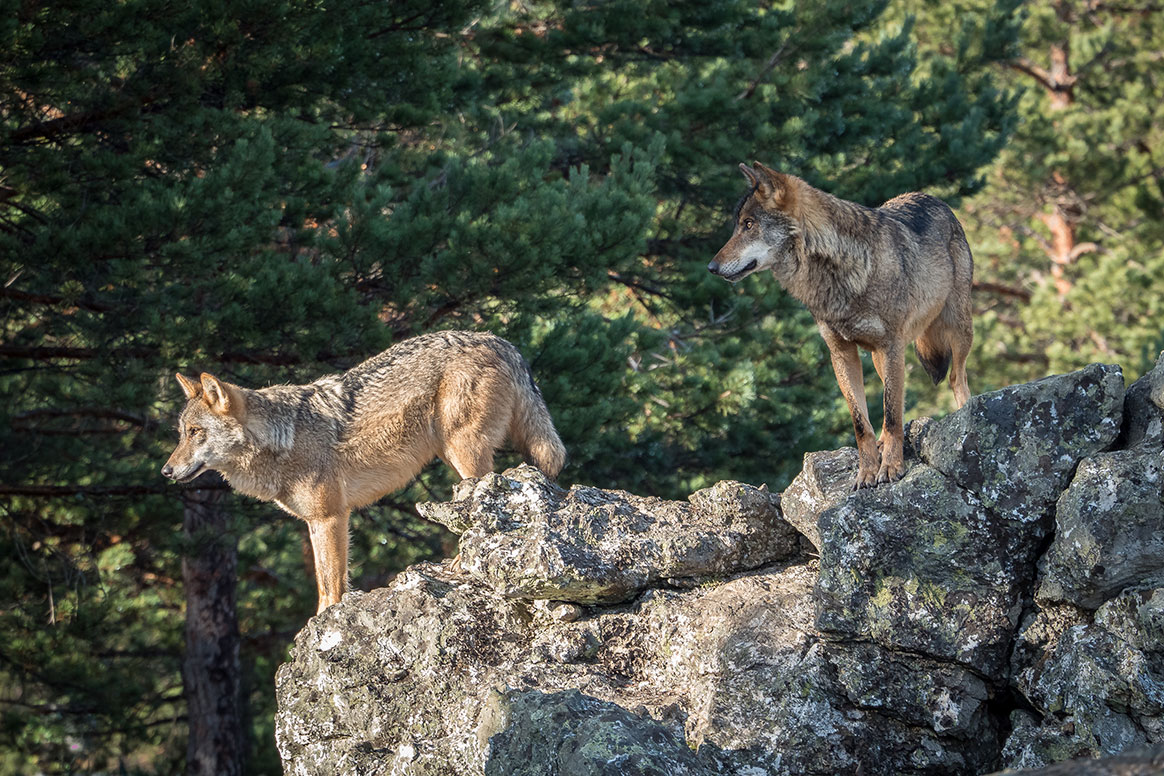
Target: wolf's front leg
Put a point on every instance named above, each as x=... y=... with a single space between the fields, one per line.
x=847 y=367
x=892 y=442
x=329 y=545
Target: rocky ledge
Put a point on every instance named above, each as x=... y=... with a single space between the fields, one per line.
x=1001 y=606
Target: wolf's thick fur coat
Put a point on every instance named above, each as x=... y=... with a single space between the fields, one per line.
x=342 y=442
x=878 y=278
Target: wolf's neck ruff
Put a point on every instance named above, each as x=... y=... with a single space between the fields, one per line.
x=833 y=261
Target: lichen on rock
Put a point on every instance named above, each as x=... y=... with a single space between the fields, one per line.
x=922 y=565
x=1016 y=448
x=1000 y=606
x=527 y=538
x=1109 y=529
x=1101 y=685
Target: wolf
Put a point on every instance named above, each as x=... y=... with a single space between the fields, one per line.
x=877 y=278
x=323 y=449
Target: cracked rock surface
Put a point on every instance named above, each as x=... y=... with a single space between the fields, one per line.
x=527 y=538
x=1001 y=606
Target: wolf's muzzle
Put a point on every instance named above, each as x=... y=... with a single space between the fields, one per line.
x=168 y=471
x=715 y=269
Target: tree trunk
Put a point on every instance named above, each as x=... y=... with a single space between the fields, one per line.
x=210 y=670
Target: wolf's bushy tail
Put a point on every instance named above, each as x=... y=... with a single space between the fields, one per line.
x=533 y=430
x=934 y=358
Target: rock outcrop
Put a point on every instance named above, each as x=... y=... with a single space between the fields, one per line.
x=527 y=538
x=1001 y=606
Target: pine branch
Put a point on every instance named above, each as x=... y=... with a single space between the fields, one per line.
x=104 y=491
x=77 y=121
x=1042 y=75
x=1000 y=288
x=46 y=299
x=769 y=66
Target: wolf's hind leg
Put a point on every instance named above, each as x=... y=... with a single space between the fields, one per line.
x=946 y=344
x=958 y=384
x=959 y=316
x=474 y=416
x=470 y=453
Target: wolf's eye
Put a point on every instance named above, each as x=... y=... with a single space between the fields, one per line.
x=193 y=430
x=748 y=224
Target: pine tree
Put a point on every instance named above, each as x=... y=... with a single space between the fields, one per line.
x=277 y=191
x=1068 y=232
x=165 y=170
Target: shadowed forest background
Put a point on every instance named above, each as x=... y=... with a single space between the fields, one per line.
x=273 y=191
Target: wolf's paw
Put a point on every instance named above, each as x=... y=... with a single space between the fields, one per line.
x=890 y=471
x=866 y=478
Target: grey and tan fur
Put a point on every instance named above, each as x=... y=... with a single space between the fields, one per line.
x=343 y=441
x=878 y=278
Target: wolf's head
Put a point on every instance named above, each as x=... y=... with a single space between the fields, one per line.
x=766 y=227
x=211 y=428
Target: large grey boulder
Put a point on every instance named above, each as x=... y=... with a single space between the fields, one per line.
x=1143 y=422
x=377 y=684
x=940 y=561
x=438 y=674
x=1109 y=529
x=1017 y=448
x=766 y=694
x=527 y=538
x=594 y=632
x=1099 y=686
x=922 y=565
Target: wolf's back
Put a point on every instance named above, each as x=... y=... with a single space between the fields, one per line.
x=418 y=366
x=417 y=360
x=936 y=227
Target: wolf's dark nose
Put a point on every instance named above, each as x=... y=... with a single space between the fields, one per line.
x=168 y=471
x=713 y=267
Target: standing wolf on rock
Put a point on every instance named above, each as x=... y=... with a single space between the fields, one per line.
x=342 y=442
x=874 y=277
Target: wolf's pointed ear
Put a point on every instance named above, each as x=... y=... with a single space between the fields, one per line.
x=761 y=178
x=765 y=171
x=751 y=176
x=189 y=387
x=768 y=181
x=222 y=398
x=773 y=186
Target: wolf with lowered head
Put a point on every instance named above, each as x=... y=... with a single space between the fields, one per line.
x=342 y=442
x=876 y=278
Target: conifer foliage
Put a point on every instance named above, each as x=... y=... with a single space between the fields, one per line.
x=1070 y=235
x=272 y=191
